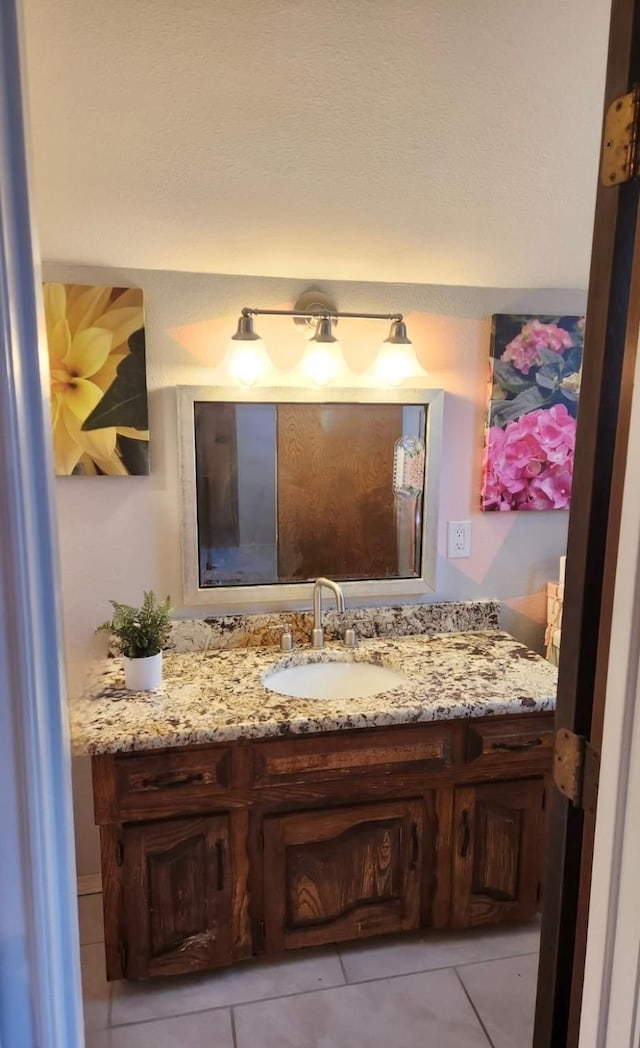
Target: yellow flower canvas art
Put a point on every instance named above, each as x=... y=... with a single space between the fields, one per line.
x=96 y=343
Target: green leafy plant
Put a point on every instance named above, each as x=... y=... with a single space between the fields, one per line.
x=143 y=631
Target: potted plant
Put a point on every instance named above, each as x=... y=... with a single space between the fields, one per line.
x=141 y=634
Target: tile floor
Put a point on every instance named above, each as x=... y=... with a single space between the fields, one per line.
x=454 y=990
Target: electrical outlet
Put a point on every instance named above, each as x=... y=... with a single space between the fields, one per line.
x=458 y=538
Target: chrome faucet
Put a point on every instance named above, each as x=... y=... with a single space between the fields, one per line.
x=317 y=633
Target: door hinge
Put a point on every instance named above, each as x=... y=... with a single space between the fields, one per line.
x=620 y=154
x=576 y=768
x=119 y=853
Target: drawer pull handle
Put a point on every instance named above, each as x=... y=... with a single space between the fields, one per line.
x=170 y=782
x=513 y=747
x=466 y=835
x=415 y=847
x=219 y=865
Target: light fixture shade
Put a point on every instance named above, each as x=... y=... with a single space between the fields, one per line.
x=322 y=364
x=248 y=363
x=323 y=360
x=245 y=331
x=323 y=333
x=398 y=334
x=397 y=360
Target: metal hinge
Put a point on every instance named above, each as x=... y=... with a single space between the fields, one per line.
x=119 y=853
x=576 y=769
x=620 y=140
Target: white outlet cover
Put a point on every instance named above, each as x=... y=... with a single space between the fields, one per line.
x=458 y=539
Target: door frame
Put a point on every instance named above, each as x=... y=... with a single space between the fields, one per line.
x=611 y=341
x=610 y=1008
x=39 y=952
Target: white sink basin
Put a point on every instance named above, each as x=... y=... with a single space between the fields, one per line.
x=333 y=680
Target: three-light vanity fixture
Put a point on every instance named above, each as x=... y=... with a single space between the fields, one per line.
x=322 y=361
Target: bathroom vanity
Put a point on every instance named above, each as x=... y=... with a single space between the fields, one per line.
x=235 y=821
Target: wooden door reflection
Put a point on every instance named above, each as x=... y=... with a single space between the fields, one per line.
x=336 y=512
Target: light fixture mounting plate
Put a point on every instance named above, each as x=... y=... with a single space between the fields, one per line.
x=313 y=300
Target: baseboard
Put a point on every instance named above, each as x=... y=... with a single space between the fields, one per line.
x=90 y=884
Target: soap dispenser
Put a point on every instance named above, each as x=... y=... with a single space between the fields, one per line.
x=286 y=639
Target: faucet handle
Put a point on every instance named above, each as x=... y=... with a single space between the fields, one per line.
x=317 y=637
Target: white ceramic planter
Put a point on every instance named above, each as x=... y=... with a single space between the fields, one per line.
x=143 y=674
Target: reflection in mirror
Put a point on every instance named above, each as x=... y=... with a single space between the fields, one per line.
x=281 y=485
x=289 y=491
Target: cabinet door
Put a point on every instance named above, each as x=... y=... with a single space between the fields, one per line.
x=177 y=896
x=498 y=851
x=342 y=874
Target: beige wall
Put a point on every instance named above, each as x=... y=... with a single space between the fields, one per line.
x=417 y=140
x=121 y=535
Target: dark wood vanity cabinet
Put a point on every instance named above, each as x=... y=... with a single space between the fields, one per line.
x=214 y=853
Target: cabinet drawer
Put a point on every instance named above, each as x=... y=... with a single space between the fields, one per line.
x=493 y=743
x=182 y=781
x=376 y=753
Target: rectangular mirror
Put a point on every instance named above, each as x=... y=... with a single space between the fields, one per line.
x=281 y=486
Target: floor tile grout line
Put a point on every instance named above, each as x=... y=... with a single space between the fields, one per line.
x=301 y=993
x=440 y=968
x=184 y=1015
x=490 y=960
x=344 y=970
x=475 y=1010
x=234 y=1036
x=222 y=1007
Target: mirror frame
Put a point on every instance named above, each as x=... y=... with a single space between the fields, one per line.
x=292 y=596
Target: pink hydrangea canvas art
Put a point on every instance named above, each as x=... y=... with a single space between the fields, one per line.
x=536 y=364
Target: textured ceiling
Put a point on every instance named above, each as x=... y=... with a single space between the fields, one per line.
x=431 y=141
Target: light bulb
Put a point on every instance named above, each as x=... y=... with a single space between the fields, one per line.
x=249 y=362
x=322 y=362
x=396 y=363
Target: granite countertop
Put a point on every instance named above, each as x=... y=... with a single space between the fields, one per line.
x=213 y=696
